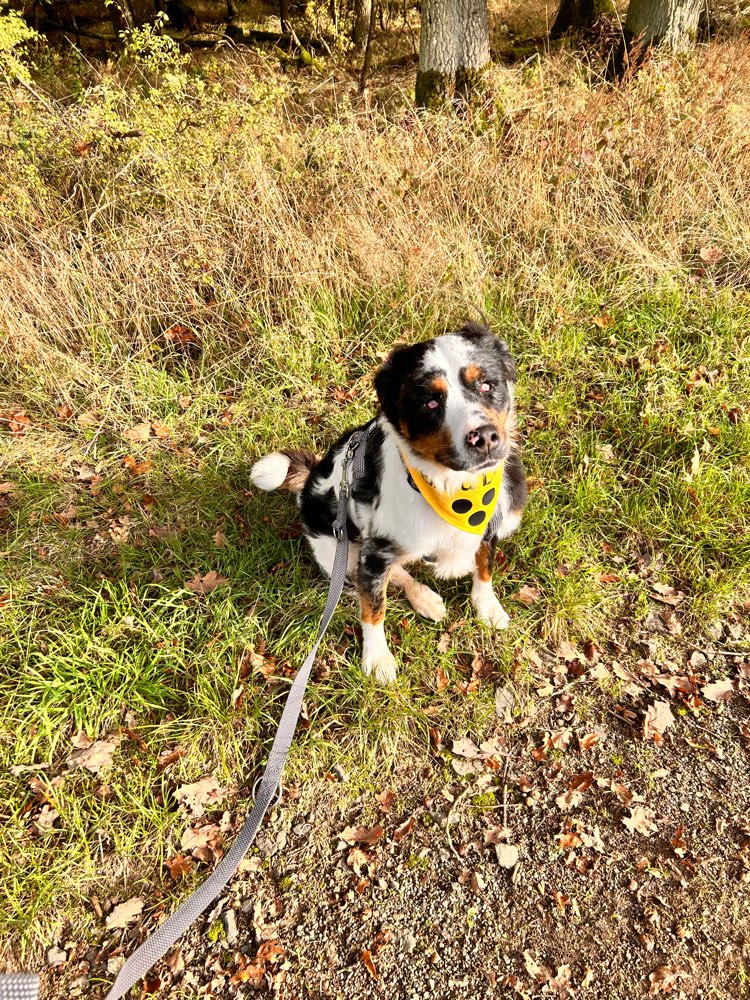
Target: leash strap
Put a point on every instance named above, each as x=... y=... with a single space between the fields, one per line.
x=26 y=987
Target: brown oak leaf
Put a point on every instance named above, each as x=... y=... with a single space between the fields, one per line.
x=657 y=720
x=361 y=834
x=95 y=756
x=138 y=433
x=125 y=913
x=640 y=820
x=719 y=690
x=196 y=795
x=205 y=584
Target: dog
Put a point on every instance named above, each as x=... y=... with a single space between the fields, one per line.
x=441 y=456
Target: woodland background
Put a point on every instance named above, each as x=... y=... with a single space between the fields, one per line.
x=214 y=223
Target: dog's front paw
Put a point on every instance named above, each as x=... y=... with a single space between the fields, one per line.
x=491 y=612
x=381 y=665
x=426 y=602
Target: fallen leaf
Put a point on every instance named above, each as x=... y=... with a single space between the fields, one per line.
x=7 y=487
x=18 y=422
x=527 y=595
x=270 y=951
x=64 y=412
x=203 y=842
x=195 y=796
x=567 y=651
x=588 y=741
x=182 y=336
x=169 y=757
x=179 y=866
x=368 y=963
x=676 y=684
x=465 y=748
x=695 y=463
x=505 y=699
x=134 y=467
x=496 y=835
x=361 y=834
x=665 y=979
x=125 y=913
x=96 y=756
x=160 y=430
x=220 y=540
x=711 y=254
x=657 y=720
x=559 y=985
x=385 y=799
x=539 y=973
x=666 y=594
x=404 y=830
x=45 y=821
x=718 y=690
x=569 y=799
x=441 y=679
x=253 y=974
x=205 y=584
x=359 y=862
x=641 y=820
x=138 y=433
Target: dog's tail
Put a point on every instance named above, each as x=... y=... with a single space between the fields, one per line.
x=287 y=470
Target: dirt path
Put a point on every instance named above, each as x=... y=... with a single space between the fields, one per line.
x=593 y=845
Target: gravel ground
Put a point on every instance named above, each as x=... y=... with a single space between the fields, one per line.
x=595 y=844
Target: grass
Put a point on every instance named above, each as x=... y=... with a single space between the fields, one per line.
x=298 y=242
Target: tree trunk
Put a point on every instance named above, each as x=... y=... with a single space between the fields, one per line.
x=671 y=22
x=121 y=14
x=454 y=51
x=438 y=53
x=362 y=10
x=368 y=48
x=577 y=14
x=474 y=56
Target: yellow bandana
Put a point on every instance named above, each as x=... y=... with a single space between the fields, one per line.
x=469 y=508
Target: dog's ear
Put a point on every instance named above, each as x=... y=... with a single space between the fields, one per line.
x=506 y=359
x=390 y=380
x=483 y=336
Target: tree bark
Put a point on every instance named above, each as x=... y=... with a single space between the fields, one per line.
x=438 y=53
x=673 y=23
x=361 y=29
x=368 y=48
x=454 y=51
x=474 y=56
x=577 y=14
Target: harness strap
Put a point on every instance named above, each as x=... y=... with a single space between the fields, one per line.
x=26 y=987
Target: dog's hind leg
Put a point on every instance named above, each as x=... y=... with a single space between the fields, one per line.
x=424 y=600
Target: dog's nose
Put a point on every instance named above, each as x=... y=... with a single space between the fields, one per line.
x=484 y=438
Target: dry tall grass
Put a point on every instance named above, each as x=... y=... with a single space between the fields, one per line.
x=237 y=207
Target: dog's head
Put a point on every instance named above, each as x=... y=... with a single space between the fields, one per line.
x=451 y=399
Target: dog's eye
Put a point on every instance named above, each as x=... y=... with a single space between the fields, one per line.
x=486 y=386
x=432 y=404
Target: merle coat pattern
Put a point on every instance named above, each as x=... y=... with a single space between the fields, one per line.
x=448 y=410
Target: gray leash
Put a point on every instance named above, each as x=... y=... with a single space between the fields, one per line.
x=26 y=987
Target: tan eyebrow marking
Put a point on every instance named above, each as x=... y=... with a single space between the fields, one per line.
x=471 y=374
